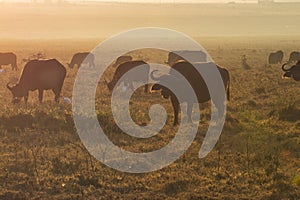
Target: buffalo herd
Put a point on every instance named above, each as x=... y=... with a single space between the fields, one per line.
x=82 y=58
x=192 y=56
x=122 y=59
x=8 y=59
x=140 y=75
x=50 y=74
x=190 y=73
x=276 y=57
x=39 y=75
x=294 y=56
x=291 y=72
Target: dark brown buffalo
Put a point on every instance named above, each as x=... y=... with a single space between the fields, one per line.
x=82 y=58
x=125 y=67
x=276 y=57
x=8 y=59
x=39 y=75
x=294 y=56
x=292 y=72
x=196 y=81
x=192 y=56
x=122 y=59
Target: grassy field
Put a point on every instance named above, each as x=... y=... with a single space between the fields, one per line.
x=257 y=156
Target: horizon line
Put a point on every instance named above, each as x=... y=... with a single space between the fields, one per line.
x=148 y=2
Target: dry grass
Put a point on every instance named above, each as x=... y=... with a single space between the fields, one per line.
x=257 y=157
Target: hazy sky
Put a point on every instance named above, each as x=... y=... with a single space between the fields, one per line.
x=157 y=1
x=104 y=20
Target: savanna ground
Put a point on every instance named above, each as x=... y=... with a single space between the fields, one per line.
x=257 y=156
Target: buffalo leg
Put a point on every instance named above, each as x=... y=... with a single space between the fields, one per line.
x=26 y=99
x=175 y=105
x=189 y=112
x=14 y=67
x=57 y=95
x=146 y=88
x=220 y=107
x=41 y=92
x=131 y=86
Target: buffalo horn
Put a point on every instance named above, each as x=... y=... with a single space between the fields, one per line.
x=9 y=87
x=284 y=68
x=153 y=77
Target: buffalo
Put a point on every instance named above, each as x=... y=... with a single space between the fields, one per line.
x=276 y=57
x=82 y=58
x=192 y=56
x=141 y=75
x=39 y=75
x=196 y=81
x=294 y=56
x=122 y=59
x=292 y=72
x=8 y=59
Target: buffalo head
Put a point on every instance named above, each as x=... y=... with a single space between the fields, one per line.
x=17 y=91
x=292 y=72
x=165 y=92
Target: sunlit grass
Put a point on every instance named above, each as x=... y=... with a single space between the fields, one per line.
x=257 y=156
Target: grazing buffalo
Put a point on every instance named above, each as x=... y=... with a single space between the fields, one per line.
x=39 y=75
x=141 y=75
x=8 y=59
x=292 y=72
x=122 y=59
x=275 y=58
x=294 y=56
x=196 y=81
x=192 y=56
x=82 y=58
